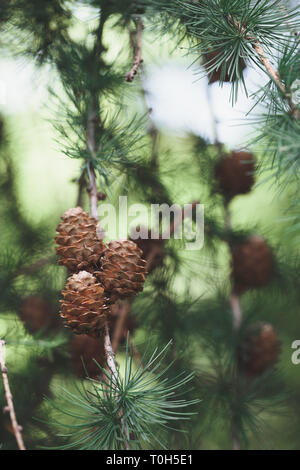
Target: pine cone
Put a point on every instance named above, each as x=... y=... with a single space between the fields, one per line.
x=215 y=76
x=152 y=251
x=79 y=247
x=84 y=307
x=84 y=349
x=252 y=264
x=37 y=314
x=235 y=174
x=260 y=349
x=123 y=270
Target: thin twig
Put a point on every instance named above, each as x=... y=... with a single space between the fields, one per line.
x=237 y=318
x=234 y=300
x=92 y=127
x=235 y=304
x=122 y=315
x=109 y=353
x=81 y=187
x=17 y=429
x=138 y=57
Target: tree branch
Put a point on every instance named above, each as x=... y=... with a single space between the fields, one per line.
x=17 y=429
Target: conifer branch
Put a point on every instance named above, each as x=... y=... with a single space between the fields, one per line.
x=267 y=64
x=17 y=429
x=35 y=266
x=234 y=300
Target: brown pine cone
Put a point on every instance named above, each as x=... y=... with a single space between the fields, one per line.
x=123 y=270
x=37 y=314
x=153 y=251
x=78 y=248
x=260 y=349
x=84 y=349
x=235 y=174
x=215 y=76
x=84 y=307
x=252 y=264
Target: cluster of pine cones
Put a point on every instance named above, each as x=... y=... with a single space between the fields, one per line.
x=100 y=274
x=252 y=265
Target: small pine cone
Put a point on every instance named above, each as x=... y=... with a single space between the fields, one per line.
x=84 y=349
x=79 y=247
x=215 y=76
x=235 y=174
x=123 y=270
x=153 y=251
x=37 y=314
x=260 y=349
x=252 y=264
x=84 y=307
